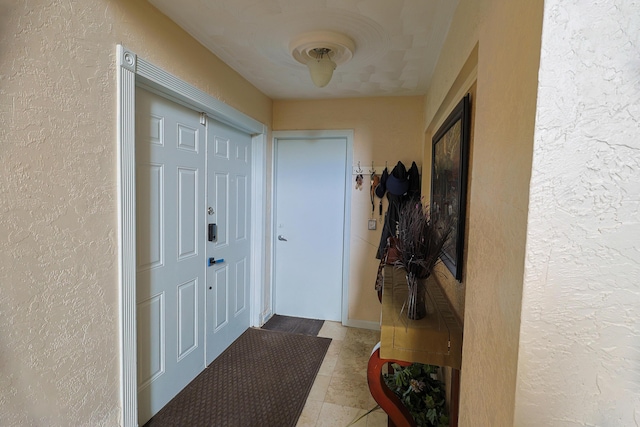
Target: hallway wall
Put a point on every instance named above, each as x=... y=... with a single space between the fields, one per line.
x=59 y=348
x=506 y=35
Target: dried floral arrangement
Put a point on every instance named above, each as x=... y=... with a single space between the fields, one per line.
x=418 y=244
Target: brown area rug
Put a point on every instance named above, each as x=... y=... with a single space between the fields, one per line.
x=294 y=325
x=262 y=379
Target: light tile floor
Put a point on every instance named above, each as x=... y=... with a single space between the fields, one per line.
x=340 y=393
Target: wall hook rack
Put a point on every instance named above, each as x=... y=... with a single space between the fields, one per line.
x=357 y=169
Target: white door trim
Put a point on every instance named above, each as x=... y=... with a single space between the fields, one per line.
x=319 y=134
x=131 y=71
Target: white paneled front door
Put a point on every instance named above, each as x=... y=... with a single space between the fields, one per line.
x=310 y=227
x=170 y=181
x=229 y=204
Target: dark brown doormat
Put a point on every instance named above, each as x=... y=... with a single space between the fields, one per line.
x=262 y=379
x=295 y=325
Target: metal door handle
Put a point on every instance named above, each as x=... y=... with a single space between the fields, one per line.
x=281 y=237
x=212 y=261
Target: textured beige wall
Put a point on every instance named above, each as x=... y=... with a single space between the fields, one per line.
x=385 y=129
x=580 y=333
x=58 y=232
x=507 y=34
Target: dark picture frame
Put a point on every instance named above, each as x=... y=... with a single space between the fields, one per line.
x=449 y=178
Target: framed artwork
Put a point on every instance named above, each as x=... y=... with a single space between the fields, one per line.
x=449 y=173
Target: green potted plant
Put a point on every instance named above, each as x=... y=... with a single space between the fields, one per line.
x=419 y=389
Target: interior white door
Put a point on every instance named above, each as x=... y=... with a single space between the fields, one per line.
x=170 y=165
x=229 y=208
x=309 y=215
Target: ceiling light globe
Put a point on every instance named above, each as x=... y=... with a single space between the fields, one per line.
x=321 y=70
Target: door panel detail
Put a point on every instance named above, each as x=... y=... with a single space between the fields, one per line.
x=241 y=285
x=222 y=148
x=242 y=153
x=151 y=206
x=222 y=290
x=187 y=318
x=156 y=130
x=241 y=207
x=187 y=138
x=187 y=212
x=221 y=208
x=151 y=334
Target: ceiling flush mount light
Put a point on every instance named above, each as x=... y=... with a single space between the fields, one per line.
x=322 y=52
x=321 y=67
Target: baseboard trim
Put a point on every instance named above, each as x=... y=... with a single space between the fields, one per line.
x=362 y=324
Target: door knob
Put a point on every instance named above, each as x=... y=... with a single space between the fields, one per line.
x=281 y=237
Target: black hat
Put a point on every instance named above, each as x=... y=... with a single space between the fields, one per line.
x=398 y=181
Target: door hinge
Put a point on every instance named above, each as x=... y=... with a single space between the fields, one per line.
x=203 y=118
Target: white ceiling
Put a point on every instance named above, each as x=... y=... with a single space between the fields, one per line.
x=397 y=41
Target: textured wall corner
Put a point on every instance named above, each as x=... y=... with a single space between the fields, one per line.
x=59 y=346
x=580 y=335
x=59 y=336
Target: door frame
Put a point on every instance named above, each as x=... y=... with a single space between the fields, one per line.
x=133 y=71
x=346 y=242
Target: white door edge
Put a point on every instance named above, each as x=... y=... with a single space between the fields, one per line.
x=132 y=71
x=258 y=223
x=317 y=134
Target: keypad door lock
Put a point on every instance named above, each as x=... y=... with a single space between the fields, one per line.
x=212 y=232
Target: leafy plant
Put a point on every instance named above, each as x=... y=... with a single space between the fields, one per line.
x=419 y=389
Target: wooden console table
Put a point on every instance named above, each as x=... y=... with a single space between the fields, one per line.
x=435 y=340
